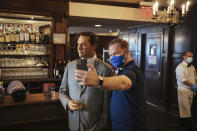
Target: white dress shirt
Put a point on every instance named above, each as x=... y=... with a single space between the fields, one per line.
x=184 y=73
x=185 y=93
x=91 y=60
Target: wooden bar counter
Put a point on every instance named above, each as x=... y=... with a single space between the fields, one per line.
x=33 y=114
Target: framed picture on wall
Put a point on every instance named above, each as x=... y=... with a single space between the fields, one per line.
x=59 y=38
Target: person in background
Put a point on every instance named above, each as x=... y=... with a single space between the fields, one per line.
x=186 y=81
x=88 y=108
x=127 y=108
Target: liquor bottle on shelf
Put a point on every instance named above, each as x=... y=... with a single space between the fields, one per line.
x=17 y=28
x=46 y=38
x=22 y=35
x=37 y=35
x=2 y=35
x=26 y=36
x=60 y=67
x=56 y=71
x=25 y=49
x=7 y=36
x=17 y=36
x=1 y=26
x=41 y=38
x=32 y=35
x=12 y=35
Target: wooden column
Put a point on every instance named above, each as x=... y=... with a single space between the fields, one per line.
x=60 y=26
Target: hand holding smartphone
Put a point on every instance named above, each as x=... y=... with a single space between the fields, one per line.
x=82 y=64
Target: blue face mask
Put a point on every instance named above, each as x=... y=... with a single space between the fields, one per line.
x=189 y=60
x=118 y=61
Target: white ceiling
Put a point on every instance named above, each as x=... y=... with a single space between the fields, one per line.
x=79 y=24
x=163 y=3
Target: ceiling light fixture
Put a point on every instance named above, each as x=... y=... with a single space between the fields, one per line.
x=97 y=25
x=170 y=15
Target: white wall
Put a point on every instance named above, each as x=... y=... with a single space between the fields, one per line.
x=106 y=11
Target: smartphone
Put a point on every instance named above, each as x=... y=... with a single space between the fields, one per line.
x=82 y=64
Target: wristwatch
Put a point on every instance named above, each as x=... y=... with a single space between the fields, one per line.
x=100 y=82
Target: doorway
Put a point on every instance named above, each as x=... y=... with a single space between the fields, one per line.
x=151 y=59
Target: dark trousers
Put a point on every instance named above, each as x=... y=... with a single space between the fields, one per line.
x=194 y=109
x=187 y=123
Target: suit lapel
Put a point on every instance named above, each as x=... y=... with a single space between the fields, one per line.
x=96 y=63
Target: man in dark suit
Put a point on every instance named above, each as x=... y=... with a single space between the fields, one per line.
x=88 y=108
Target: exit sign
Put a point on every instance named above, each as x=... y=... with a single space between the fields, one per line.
x=146 y=9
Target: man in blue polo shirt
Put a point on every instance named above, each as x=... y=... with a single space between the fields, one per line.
x=128 y=112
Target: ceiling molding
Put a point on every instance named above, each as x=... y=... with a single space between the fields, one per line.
x=122 y=4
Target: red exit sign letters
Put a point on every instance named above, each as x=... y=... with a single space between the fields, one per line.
x=147 y=11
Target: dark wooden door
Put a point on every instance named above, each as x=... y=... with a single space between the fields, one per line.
x=152 y=68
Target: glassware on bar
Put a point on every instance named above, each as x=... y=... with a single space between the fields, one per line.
x=24 y=73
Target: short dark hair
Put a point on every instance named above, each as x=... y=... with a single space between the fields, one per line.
x=123 y=43
x=185 y=54
x=93 y=38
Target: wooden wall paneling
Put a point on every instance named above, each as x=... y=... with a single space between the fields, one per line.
x=67 y=50
x=180 y=45
x=194 y=106
x=164 y=49
x=163 y=83
x=103 y=44
x=165 y=41
x=173 y=88
x=194 y=46
x=193 y=19
x=153 y=33
x=152 y=67
x=73 y=44
x=60 y=27
x=52 y=53
x=142 y=42
x=169 y=66
x=163 y=62
x=181 y=41
x=35 y=117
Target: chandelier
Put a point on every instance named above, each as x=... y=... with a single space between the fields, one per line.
x=170 y=15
